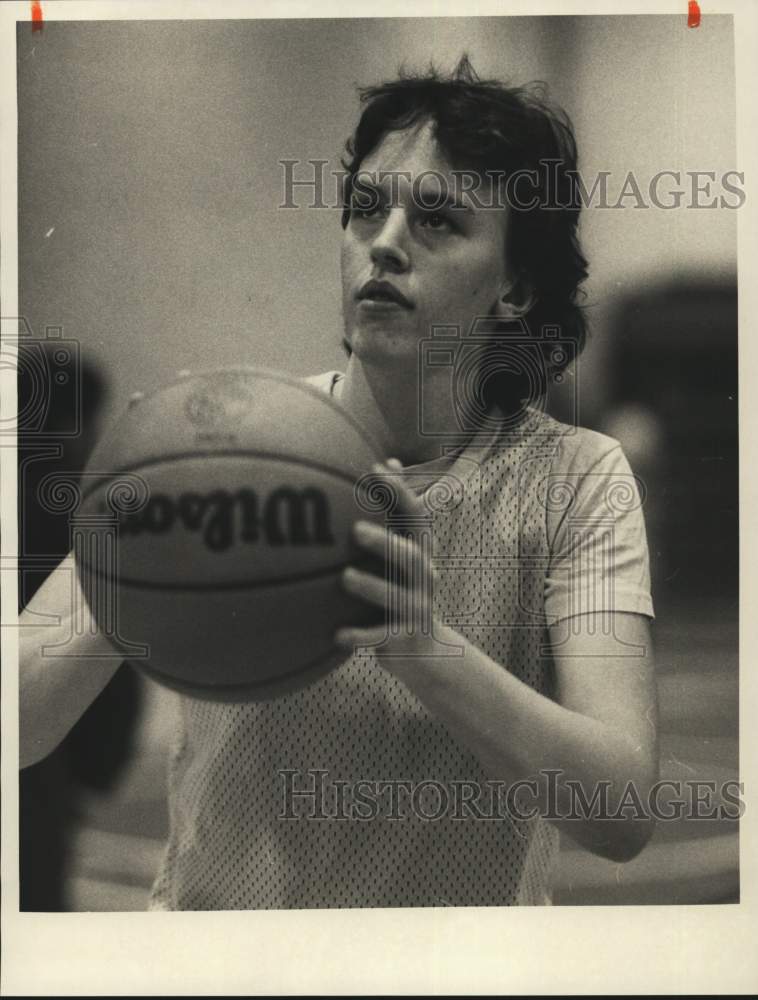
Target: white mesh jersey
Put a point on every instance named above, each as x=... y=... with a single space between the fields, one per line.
x=382 y=821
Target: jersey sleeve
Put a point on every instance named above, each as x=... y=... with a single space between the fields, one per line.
x=599 y=557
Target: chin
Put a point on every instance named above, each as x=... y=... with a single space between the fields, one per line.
x=381 y=347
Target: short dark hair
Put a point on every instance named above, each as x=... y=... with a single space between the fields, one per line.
x=489 y=127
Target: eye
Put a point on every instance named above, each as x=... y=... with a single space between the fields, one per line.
x=363 y=206
x=359 y=211
x=436 y=221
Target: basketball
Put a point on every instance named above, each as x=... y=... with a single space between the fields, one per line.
x=215 y=523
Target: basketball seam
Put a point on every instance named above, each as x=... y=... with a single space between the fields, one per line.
x=225 y=453
x=268 y=686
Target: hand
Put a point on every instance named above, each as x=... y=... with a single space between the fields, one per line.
x=403 y=587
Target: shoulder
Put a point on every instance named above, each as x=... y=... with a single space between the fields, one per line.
x=590 y=479
x=595 y=528
x=590 y=472
x=591 y=487
x=580 y=451
x=573 y=450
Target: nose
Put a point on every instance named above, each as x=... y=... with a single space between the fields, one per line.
x=388 y=249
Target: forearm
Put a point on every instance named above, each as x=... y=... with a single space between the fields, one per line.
x=518 y=734
x=55 y=690
x=599 y=733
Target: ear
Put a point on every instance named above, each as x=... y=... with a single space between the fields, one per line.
x=517 y=297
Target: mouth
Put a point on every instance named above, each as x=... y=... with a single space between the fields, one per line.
x=382 y=294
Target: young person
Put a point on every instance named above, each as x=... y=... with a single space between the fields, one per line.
x=436 y=765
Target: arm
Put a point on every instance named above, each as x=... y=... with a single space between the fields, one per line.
x=613 y=688
x=55 y=691
x=600 y=729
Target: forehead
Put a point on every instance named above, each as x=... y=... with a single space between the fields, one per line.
x=415 y=151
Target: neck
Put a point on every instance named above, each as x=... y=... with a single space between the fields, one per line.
x=386 y=403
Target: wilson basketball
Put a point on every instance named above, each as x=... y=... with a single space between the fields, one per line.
x=214 y=527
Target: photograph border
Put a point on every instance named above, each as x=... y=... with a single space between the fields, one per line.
x=644 y=949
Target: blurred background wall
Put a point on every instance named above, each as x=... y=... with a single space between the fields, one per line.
x=152 y=149
x=151 y=232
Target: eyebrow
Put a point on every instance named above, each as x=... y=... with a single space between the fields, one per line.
x=454 y=203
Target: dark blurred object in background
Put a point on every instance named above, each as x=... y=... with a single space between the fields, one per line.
x=673 y=381
x=672 y=377
x=95 y=751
